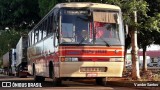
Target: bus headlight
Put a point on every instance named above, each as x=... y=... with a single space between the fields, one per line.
x=69 y=59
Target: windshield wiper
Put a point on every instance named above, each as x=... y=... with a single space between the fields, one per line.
x=83 y=39
x=107 y=44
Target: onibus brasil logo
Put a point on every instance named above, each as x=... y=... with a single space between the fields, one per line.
x=19 y=84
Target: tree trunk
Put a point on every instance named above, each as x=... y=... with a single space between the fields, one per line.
x=144 y=60
x=135 y=63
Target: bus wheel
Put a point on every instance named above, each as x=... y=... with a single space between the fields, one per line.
x=101 y=81
x=56 y=81
x=39 y=78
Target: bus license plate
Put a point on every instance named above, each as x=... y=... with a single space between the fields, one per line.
x=91 y=74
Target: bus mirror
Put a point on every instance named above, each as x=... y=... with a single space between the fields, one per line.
x=55 y=40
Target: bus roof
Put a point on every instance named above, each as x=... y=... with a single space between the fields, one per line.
x=89 y=5
x=80 y=5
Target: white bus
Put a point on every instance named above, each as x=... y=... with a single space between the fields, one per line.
x=77 y=40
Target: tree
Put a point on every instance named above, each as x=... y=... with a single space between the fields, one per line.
x=18 y=14
x=148 y=35
x=8 y=40
x=149 y=30
x=128 y=7
x=143 y=42
x=46 y=5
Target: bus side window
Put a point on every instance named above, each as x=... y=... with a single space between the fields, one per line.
x=44 y=29
x=32 y=37
x=54 y=25
x=40 y=32
x=55 y=20
x=51 y=24
x=47 y=25
x=36 y=32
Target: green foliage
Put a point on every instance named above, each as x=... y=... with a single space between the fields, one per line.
x=18 y=14
x=154 y=7
x=153 y=23
x=45 y=6
x=8 y=40
x=150 y=28
x=129 y=6
x=1 y=64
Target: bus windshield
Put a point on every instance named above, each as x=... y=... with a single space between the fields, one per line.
x=82 y=27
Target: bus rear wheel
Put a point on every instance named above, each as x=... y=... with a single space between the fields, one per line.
x=101 y=81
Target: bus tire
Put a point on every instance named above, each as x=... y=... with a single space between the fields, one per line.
x=55 y=81
x=101 y=81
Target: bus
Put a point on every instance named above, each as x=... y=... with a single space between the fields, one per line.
x=77 y=40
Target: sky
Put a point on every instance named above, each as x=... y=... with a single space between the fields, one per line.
x=149 y=48
x=153 y=47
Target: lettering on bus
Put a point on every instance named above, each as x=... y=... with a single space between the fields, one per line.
x=73 y=52
x=94 y=51
x=75 y=12
x=86 y=52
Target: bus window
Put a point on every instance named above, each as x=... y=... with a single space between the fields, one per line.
x=32 y=37
x=74 y=24
x=51 y=25
x=82 y=29
x=36 y=35
x=44 y=29
x=67 y=30
x=40 y=32
x=106 y=27
x=48 y=25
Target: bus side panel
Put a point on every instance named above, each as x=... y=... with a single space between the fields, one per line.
x=48 y=52
x=39 y=59
x=36 y=57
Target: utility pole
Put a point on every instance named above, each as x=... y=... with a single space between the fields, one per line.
x=134 y=52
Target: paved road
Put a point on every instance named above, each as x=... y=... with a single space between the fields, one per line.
x=67 y=85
